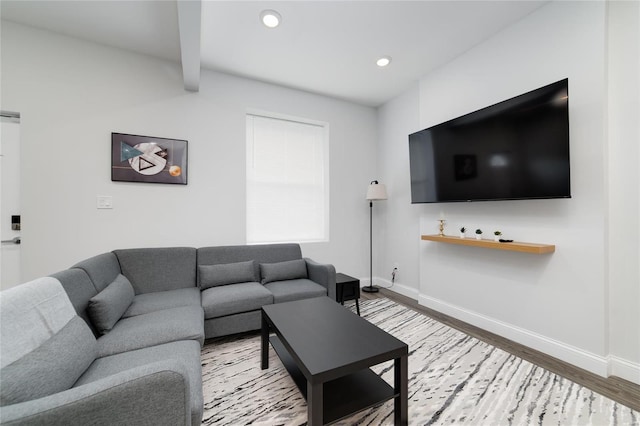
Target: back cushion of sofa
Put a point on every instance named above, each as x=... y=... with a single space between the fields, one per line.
x=107 y=307
x=226 y=273
x=80 y=289
x=43 y=305
x=52 y=367
x=102 y=269
x=45 y=346
x=158 y=269
x=280 y=271
x=260 y=253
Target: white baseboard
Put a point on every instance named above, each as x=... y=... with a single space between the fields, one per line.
x=602 y=366
x=578 y=357
x=397 y=288
x=624 y=369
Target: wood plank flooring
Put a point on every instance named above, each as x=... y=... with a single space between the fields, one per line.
x=618 y=389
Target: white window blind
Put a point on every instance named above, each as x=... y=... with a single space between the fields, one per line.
x=287 y=180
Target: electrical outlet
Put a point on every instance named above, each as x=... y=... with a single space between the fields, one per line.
x=396 y=266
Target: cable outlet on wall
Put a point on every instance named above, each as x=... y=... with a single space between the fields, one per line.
x=396 y=266
x=105 y=202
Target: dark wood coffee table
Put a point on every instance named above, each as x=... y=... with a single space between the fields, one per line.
x=328 y=350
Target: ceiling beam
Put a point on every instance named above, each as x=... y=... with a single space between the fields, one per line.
x=189 y=22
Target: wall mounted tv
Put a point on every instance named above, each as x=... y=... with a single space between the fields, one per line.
x=515 y=149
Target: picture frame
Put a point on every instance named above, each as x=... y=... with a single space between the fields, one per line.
x=148 y=159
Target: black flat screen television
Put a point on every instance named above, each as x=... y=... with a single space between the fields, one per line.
x=515 y=149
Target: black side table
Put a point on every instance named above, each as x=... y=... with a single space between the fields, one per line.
x=347 y=288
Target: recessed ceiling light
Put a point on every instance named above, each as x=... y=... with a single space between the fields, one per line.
x=270 y=18
x=384 y=61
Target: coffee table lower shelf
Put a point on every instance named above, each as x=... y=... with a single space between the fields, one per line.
x=343 y=396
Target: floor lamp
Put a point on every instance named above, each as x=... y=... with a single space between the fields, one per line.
x=376 y=191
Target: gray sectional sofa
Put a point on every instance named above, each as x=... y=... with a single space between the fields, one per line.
x=116 y=338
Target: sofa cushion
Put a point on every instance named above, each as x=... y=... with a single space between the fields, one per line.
x=79 y=289
x=287 y=291
x=151 y=302
x=260 y=253
x=107 y=307
x=234 y=298
x=43 y=305
x=52 y=367
x=187 y=352
x=226 y=273
x=154 y=328
x=288 y=270
x=102 y=269
x=232 y=324
x=158 y=269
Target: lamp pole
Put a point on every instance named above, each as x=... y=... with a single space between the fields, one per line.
x=374 y=192
x=371 y=288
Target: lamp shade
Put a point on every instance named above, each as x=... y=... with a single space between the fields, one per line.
x=376 y=191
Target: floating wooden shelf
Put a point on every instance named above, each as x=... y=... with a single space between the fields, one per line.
x=514 y=246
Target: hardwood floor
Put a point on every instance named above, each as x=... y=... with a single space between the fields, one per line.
x=618 y=389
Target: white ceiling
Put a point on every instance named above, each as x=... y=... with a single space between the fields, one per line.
x=325 y=47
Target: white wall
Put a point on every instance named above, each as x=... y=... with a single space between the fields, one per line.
x=556 y=303
x=73 y=94
x=557 y=296
x=398 y=238
x=623 y=129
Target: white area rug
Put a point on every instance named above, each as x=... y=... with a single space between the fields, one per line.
x=453 y=379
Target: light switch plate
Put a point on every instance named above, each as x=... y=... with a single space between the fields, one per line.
x=105 y=202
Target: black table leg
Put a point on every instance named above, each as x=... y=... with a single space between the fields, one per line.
x=357 y=307
x=401 y=386
x=265 y=343
x=315 y=403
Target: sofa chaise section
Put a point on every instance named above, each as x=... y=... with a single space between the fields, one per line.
x=70 y=384
x=182 y=356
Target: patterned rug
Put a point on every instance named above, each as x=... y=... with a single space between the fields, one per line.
x=453 y=379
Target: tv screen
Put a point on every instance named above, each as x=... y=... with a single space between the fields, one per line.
x=516 y=149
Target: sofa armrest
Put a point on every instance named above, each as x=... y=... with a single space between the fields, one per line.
x=153 y=394
x=323 y=274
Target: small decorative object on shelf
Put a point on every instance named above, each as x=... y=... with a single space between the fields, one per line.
x=496 y=235
x=462 y=232
x=478 y=234
x=441 y=227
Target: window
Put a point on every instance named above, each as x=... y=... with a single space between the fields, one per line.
x=287 y=180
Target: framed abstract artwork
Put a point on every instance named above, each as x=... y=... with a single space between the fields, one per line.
x=148 y=159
